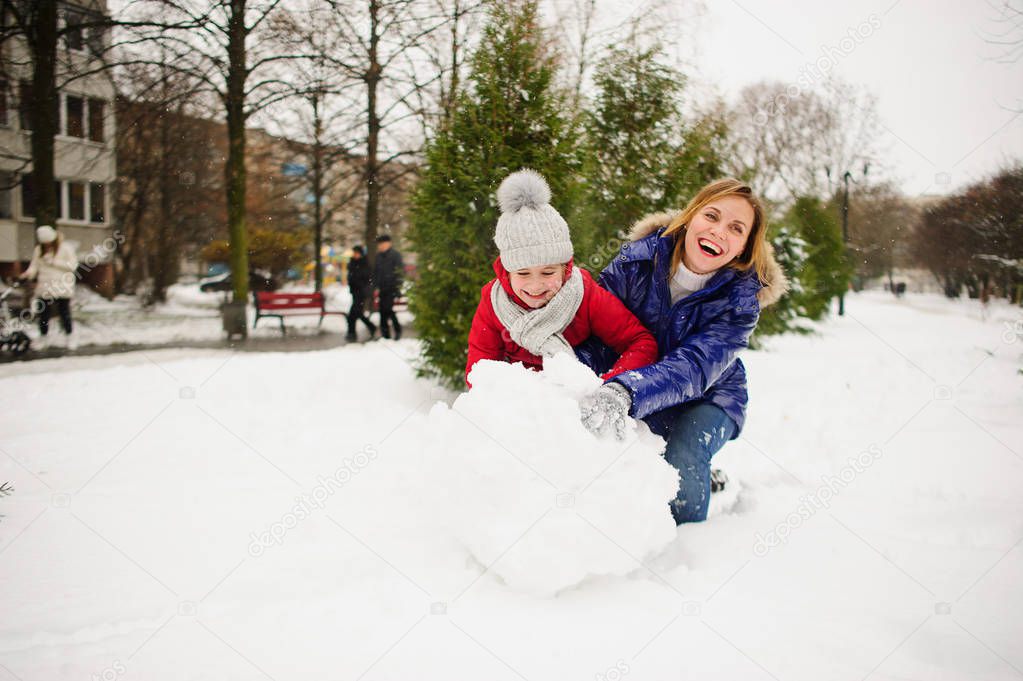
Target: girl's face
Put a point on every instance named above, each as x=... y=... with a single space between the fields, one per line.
x=717 y=234
x=537 y=285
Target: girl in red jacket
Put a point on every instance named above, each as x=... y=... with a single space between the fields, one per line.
x=540 y=303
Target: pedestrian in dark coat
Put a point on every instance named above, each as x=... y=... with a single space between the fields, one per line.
x=698 y=280
x=361 y=286
x=388 y=275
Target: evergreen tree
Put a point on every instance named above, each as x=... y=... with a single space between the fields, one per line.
x=642 y=156
x=825 y=271
x=510 y=117
x=790 y=252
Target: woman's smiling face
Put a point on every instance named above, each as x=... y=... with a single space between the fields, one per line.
x=537 y=285
x=717 y=234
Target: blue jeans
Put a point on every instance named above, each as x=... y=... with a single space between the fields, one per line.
x=696 y=436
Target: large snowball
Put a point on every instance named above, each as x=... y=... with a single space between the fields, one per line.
x=530 y=493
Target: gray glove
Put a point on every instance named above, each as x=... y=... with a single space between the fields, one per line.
x=606 y=409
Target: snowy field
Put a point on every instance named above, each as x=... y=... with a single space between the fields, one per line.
x=203 y=514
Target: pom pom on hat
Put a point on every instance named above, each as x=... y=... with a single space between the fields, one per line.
x=524 y=189
x=530 y=233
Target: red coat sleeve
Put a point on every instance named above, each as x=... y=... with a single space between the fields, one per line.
x=485 y=341
x=612 y=322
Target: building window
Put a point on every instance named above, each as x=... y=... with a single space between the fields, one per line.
x=96 y=109
x=3 y=102
x=6 y=185
x=73 y=33
x=28 y=202
x=76 y=200
x=97 y=202
x=75 y=116
x=97 y=38
x=28 y=196
x=25 y=104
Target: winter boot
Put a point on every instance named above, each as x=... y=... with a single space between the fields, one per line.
x=718 y=479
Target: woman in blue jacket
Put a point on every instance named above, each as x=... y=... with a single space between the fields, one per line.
x=698 y=280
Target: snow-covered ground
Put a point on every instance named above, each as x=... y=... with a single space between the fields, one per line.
x=203 y=514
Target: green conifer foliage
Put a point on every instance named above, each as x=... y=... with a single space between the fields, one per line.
x=642 y=155
x=510 y=117
x=825 y=271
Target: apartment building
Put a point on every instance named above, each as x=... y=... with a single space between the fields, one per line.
x=84 y=153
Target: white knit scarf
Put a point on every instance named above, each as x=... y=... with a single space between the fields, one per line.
x=540 y=330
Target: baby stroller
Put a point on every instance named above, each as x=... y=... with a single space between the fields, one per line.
x=12 y=339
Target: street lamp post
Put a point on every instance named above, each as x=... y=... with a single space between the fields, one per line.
x=845 y=233
x=846 y=176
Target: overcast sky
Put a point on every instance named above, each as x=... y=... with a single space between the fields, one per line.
x=950 y=110
x=945 y=102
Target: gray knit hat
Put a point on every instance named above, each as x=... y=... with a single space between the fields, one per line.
x=530 y=232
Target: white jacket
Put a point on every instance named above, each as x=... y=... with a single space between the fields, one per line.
x=55 y=272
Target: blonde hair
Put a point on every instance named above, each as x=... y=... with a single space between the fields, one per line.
x=756 y=253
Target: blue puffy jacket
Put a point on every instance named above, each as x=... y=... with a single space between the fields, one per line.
x=698 y=337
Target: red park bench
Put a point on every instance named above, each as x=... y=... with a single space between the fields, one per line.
x=283 y=305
